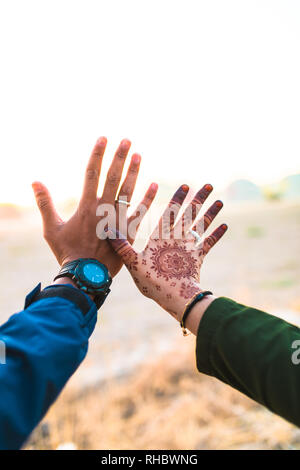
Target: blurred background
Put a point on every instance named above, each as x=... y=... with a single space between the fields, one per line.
x=207 y=92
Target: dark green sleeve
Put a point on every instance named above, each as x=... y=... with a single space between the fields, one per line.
x=251 y=351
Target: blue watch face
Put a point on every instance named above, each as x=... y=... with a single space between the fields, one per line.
x=94 y=273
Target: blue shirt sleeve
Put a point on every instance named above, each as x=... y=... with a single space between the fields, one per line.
x=44 y=345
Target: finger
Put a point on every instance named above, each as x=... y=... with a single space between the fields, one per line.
x=210 y=241
x=123 y=248
x=45 y=205
x=115 y=172
x=92 y=173
x=193 y=208
x=168 y=218
x=129 y=182
x=202 y=224
x=141 y=210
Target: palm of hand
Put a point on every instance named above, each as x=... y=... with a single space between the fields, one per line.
x=68 y=242
x=93 y=248
x=168 y=270
x=78 y=237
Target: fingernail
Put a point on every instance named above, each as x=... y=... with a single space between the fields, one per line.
x=219 y=203
x=102 y=141
x=208 y=187
x=154 y=186
x=125 y=143
x=224 y=226
x=184 y=188
x=36 y=186
x=136 y=158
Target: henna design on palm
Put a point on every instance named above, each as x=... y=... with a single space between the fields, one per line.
x=175 y=259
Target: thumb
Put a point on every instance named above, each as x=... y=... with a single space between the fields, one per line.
x=45 y=204
x=122 y=247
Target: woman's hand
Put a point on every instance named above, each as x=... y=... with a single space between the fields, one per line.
x=168 y=270
x=77 y=237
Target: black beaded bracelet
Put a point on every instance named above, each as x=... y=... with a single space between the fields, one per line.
x=189 y=307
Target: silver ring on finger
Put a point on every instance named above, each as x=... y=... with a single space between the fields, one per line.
x=196 y=236
x=122 y=201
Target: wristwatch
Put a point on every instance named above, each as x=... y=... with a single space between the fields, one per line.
x=91 y=276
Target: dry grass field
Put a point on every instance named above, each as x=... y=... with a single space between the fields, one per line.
x=138 y=387
x=165 y=405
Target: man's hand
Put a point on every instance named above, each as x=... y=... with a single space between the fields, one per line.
x=77 y=237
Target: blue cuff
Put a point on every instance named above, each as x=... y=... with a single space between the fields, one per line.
x=65 y=291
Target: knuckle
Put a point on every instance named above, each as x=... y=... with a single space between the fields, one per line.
x=97 y=154
x=92 y=174
x=211 y=241
x=134 y=169
x=122 y=154
x=43 y=203
x=207 y=219
x=84 y=210
x=112 y=179
x=125 y=191
x=148 y=199
x=146 y=202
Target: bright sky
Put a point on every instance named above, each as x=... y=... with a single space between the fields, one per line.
x=206 y=90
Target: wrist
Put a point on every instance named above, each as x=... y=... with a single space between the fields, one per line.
x=65 y=280
x=196 y=314
x=70 y=258
x=183 y=298
x=68 y=280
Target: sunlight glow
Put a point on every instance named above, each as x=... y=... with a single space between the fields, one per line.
x=206 y=91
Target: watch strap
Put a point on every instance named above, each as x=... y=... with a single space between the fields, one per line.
x=68 y=269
